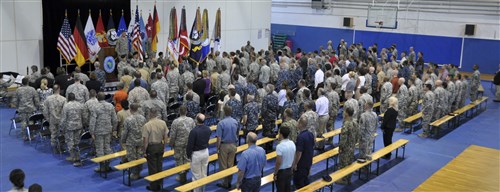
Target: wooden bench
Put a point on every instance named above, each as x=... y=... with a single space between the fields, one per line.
x=319 y=184
x=409 y=121
x=438 y=122
x=219 y=175
x=102 y=159
x=377 y=104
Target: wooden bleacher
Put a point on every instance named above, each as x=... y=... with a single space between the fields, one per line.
x=319 y=184
x=409 y=121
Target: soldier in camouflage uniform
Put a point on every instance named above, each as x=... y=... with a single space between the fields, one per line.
x=102 y=123
x=475 y=81
x=101 y=75
x=89 y=107
x=52 y=109
x=186 y=78
x=138 y=93
x=283 y=75
x=161 y=87
x=122 y=44
x=311 y=117
x=131 y=138
x=236 y=105
x=458 y=87
x=351 y=103
x=347 y=142
x=412 y=98
x=367 y=127
x=452 y=93
x=223 y=80
x=291 y=123
x=72 y=116
x=385 y=93
x=27 y=102
x=465 y=90
x=269 y=113
x=254 y=71
x=363 y=99
x=174 y=81
x=179 y=138
x=428 y=106
x=251 y=115
x=154 y=102
x=193 y=108
x=403 y=102
x=441 y=98
x=334 y=101
x=300 y=93
x=290 y=103
x=81 y=92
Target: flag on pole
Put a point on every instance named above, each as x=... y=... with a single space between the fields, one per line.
x=205 y=39
x=155 y=31
x=172 y=37
x=144 y=35
x=137 y=40
x=100 y=32
x=81 y=45
x=183 y=37
x=130 y=31
x=66 y=42
x=122 y=26
x=92 y=43
x=217 y=32
x=149 y=26
x=195 y=36
x=111 y=35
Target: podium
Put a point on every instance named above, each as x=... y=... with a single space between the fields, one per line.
x=108 y=51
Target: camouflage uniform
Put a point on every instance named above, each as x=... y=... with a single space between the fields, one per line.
x=52 y=109
x=367 y=127
x=269 y=114
x=353 y=104
x=413 y=100
x=283 y=75
x=102 y=122
x=292 y=125
x=334 y=101
x=465 y=89
x=131 y=137
x=368 y=83
x=451 y=97
x=196 y=97
x=458 y=95
x=89 y=108
x=240 y=89
x=72 y=117
x=385 y=93
x=223 y=81
x=179 y=138
x=363 y=99
x=254 y=70
x=428 y=106
x=244 y=66
x=297 y=75
x=211 y=65
x=475 y=81
x=420 y=89
x=441 y=98
x=193 y=108
x=251 y=89
x=264 y=75
x=121 y=46
x=274 y=69
x=252 y=112
x=403 y=102
x=295 y=108
x=346 y=145
x=174 y=82
x=137 y=95
x=161 y=88
x=101 y=77
x=237 y=107
x=157 y=104
x=300 y=95
x=27 y=102
x=187 y=77
x=312 y=121
x=81 y=92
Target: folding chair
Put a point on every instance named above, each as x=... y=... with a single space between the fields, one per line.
x=44 y=132
x=86 y=144
x=14 y=121
x=173 y=108
x=213 y=100
x=171 y=117
x=34 y=125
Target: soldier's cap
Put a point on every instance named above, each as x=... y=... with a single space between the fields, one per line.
x=231 y=87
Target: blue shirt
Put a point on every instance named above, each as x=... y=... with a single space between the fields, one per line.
x=286 y=149
x=252 y=161
x=305 y=144
x=144 y=84
x=227 y=130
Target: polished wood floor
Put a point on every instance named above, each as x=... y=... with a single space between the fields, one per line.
x=475 y=169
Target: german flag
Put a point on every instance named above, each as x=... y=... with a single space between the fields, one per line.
x=82 y=53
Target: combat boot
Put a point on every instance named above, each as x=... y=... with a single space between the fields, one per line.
x=56 y=150
x=71 y=156
x=182 y=177
x=77 y=162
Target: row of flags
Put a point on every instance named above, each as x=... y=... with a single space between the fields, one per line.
x=83 y=44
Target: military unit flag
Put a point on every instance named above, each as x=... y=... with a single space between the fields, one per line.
x=101 y=32
x=91 y=38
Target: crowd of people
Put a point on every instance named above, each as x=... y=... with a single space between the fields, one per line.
x=305 y=90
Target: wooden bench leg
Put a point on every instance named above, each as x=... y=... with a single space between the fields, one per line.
x=272 y=186
x=378 y=166
x=404 y=150
x=123 y=177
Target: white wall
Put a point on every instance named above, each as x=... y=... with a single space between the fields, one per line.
x=21 y=32
x=240 y=20
x=409 y=22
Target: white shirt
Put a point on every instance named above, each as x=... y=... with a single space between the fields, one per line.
x=286 y=149
x=345 y=80
x=361 y=82
x=319 y=77
x=282 y=97
x=322 y=105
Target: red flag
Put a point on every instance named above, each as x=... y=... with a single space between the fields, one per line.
x=156 y=30
x=82 y=53
x=183 y=36
x=149 y=26
x=101 y=32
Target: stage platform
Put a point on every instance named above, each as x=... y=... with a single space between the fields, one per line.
x=475 y=169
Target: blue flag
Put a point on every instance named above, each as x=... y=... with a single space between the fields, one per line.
x=144 y=35
x=122 y=27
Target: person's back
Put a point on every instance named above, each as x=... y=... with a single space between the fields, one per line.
x=305 y=148
x=250 y=165
x=285 y=152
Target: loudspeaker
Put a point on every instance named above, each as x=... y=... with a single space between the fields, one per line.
x=470 y=29
x=348 y=22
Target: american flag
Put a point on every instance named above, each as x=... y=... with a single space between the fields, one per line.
x=137 y=40
x=66 y=42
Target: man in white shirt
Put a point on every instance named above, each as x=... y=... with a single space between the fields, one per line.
x=322 y=111
x=319 y=76
x=285 y=152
